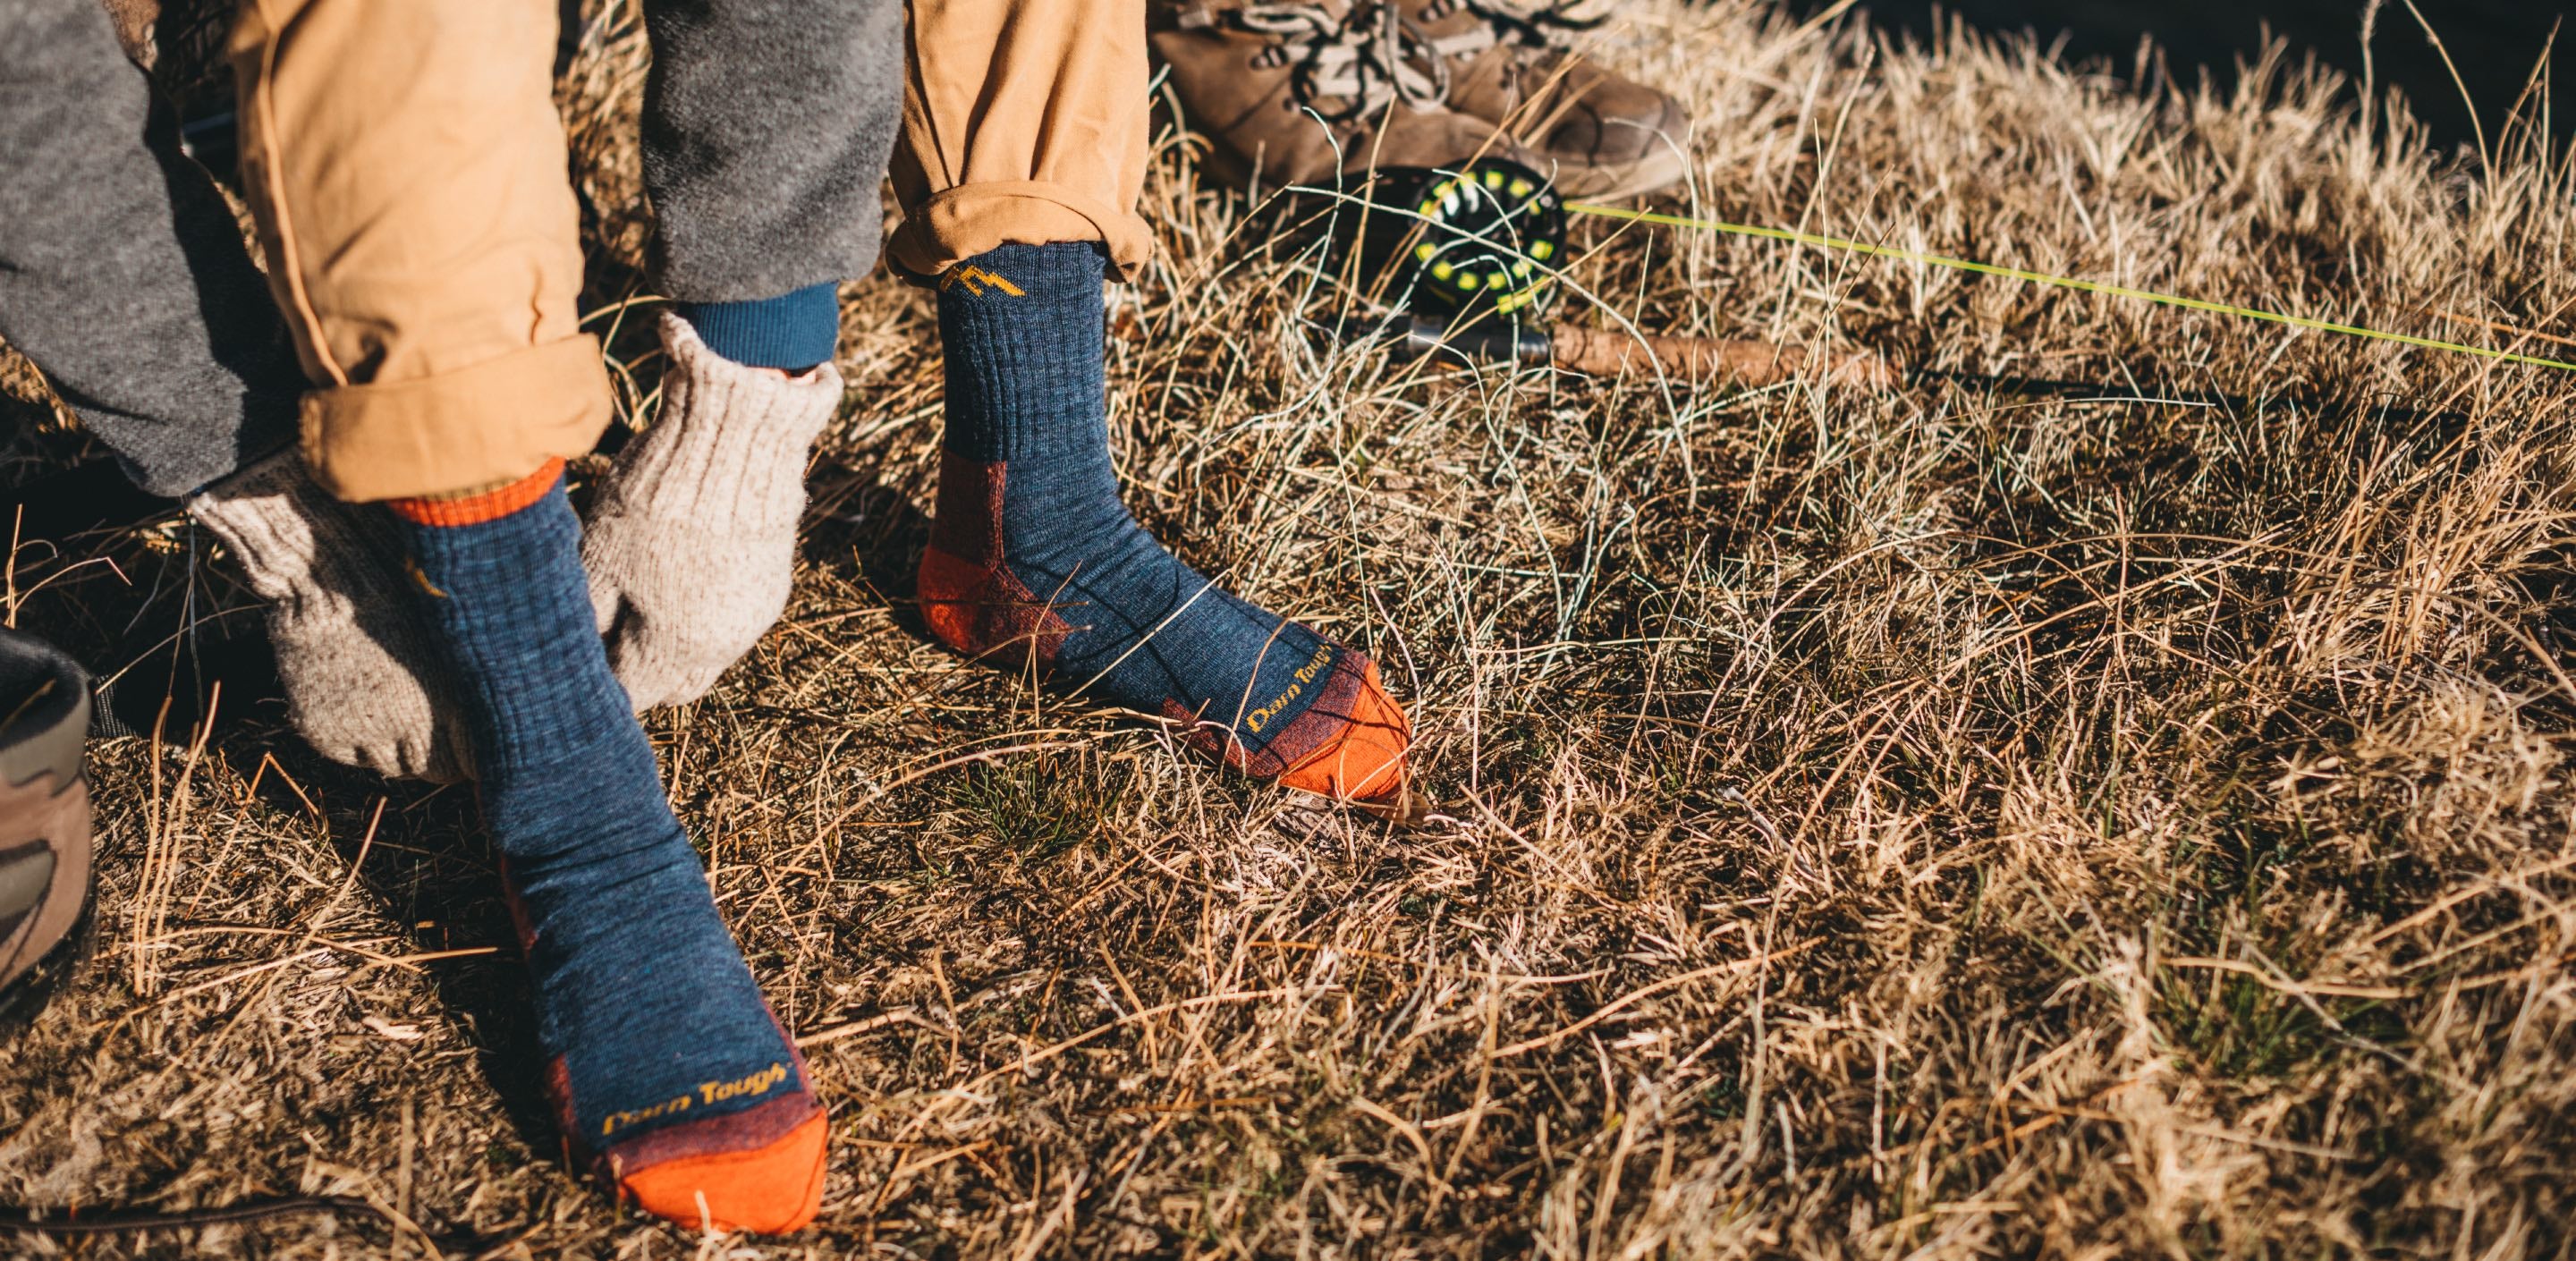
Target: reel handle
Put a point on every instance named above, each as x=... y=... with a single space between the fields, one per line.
x=1753 y=364
x=1607 y=353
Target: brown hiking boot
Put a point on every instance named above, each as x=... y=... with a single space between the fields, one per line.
x=1296 y=92
x=1512 y=62
x=45 y=888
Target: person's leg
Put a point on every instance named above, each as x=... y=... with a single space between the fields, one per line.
x=407 y=168
x=1024 y=122
x=1024 y=148
x=766 y=128
x=124 y=276
x=122 y=272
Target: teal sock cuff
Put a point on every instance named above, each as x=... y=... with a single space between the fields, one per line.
x=791 y=332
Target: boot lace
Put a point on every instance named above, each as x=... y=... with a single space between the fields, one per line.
x=1527 y=23
x=1365 y=59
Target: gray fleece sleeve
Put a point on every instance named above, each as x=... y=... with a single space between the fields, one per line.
x=122 y=272
x=767 y=125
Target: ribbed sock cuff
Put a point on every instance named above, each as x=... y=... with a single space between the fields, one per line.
x=476 y=509
x=1022 y=341
x=791 y=332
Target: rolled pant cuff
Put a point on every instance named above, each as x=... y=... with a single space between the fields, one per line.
x=959 y=223
x=479 y=426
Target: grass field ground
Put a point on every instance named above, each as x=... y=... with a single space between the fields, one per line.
x=1873 y=822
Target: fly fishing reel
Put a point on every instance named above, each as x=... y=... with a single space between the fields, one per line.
x=1462 y=261
x=1454 y=243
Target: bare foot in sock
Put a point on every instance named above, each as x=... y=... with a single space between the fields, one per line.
x=668 y=1072
x=1034 y=555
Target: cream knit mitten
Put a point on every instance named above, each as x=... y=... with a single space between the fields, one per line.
x=691 y=544
x=363 y=684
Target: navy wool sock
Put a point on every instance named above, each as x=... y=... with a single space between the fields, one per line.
x=665 y=1063
x=792 y=332
x=1034 y=554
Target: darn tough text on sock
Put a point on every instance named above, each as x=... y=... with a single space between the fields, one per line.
x=707 y=1093
x=1304 y=675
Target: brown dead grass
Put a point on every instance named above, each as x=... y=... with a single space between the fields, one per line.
x=1931 y=822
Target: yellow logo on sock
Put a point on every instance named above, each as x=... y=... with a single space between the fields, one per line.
x=628 y=1120
x=759 y=1083
x=1303 y=675
x=421 y=580
x=756 y=1084
x=975 y=278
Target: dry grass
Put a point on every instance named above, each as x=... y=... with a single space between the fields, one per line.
x=1931 y=822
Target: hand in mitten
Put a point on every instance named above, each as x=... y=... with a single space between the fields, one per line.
x=691 y=544
x=363 y=683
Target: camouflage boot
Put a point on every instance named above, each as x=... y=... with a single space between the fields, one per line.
x=45 y=887
x=1298 y=92
x=1513 y=63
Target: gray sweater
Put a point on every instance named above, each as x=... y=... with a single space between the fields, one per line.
x=122 y=272
x=767 y=125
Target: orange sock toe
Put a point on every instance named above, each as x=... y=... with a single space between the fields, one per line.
x=771 y=1189
x=1364 y=760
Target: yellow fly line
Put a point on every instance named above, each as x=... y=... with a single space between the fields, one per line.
x=2062 y=282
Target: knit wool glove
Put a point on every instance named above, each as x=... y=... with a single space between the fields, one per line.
x=364 y=684
x=691 y=544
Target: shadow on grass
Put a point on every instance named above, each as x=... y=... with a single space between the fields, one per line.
x=866 y=532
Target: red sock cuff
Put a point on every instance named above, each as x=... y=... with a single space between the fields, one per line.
x=491 y=505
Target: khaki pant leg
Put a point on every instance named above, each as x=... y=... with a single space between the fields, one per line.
x=1024 y=122
x=408 y=172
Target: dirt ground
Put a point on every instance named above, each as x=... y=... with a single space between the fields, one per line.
x=1937 y=820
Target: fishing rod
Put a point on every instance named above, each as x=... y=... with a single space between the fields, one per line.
x=2061 y=282
x=1467 y=258
x=1757 y=364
